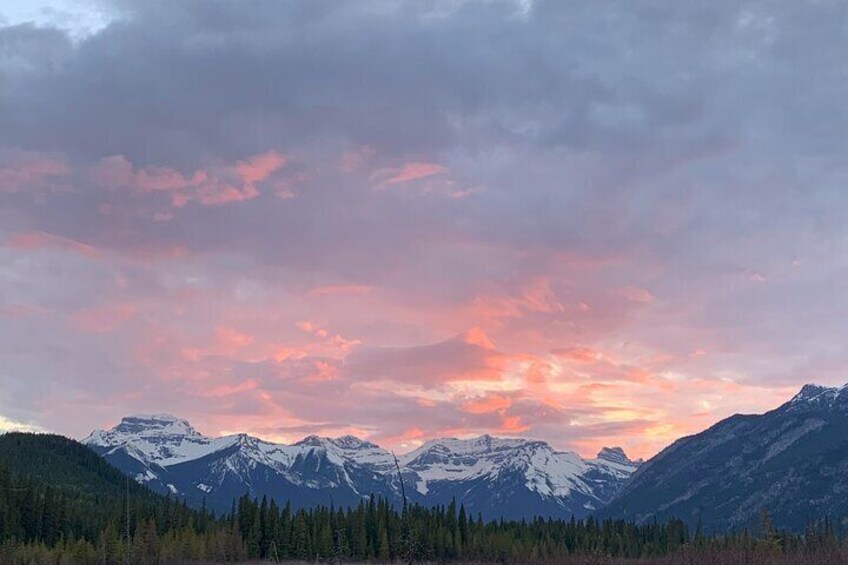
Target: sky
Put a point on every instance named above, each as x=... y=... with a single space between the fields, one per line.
x=592 y=223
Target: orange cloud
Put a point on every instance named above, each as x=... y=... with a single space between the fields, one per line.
x=490 y=403
x=476 y=336
x=577 y=354
x=512 y=425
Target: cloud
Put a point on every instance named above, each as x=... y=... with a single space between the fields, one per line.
x=407 y=172
x=341 y=289
x=104 y=318
x=574 y=199
x=490 y=403
x=33 y=241
x=228 y=184
x=27 y=170
x=7 y=425
x=455 y=359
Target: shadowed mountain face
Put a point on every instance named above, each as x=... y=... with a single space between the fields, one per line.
x=512 y=478
x=792 y=461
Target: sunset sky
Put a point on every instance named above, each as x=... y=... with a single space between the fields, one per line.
x=589 y=222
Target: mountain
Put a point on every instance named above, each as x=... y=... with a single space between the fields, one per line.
x=169 y=455
x=513 y=478
x=792 y=461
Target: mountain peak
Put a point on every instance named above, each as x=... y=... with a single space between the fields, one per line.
x=346 y=442
x=352 y=442
x=312 y=440
x=817 y=396
x=136 y=424
x=614 y=455
x=482 y=443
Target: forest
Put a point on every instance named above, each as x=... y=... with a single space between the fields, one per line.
x=60 y=503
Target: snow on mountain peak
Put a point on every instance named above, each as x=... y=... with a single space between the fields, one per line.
x=818 y=396
x=139 y=424
x=352 y=442
x=313 y=441
x=614 y=455
x=544 y=470
x=453 y=447
x=351 y=448
x=157 y=438
x=163 y=444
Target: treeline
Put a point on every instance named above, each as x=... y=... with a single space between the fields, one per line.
x=375 y=531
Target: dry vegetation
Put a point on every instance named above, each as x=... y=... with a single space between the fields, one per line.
x=686 y=557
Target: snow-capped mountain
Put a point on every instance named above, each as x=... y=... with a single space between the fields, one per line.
x=792 y=461
x=508 y=477
x=493 y=476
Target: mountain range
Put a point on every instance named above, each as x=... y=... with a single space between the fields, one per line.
x=495 y=477
x=791 y=462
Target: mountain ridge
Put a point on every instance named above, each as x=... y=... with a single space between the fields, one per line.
x=498 y=477
x=791 y=460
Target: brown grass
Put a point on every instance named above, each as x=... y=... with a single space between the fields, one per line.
x=729 y=557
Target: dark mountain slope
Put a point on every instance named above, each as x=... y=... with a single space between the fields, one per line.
x=792 y=461
x=52 y=486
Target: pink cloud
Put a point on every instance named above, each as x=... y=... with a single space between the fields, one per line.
x=356 y=158
x=497 y=303
x=33 y=241
x=577 y=354
x=431 y=365
x=478 y=337
x=20 y=170
x=104 y=319
x=259 y=167
x=341 y=289
x=22 y=310
x=216 y=186
x=636 y=294
x=407 y=172
x=117 y=171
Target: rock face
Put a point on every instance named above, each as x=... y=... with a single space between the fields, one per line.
x=792 y=461
x=513 y=478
